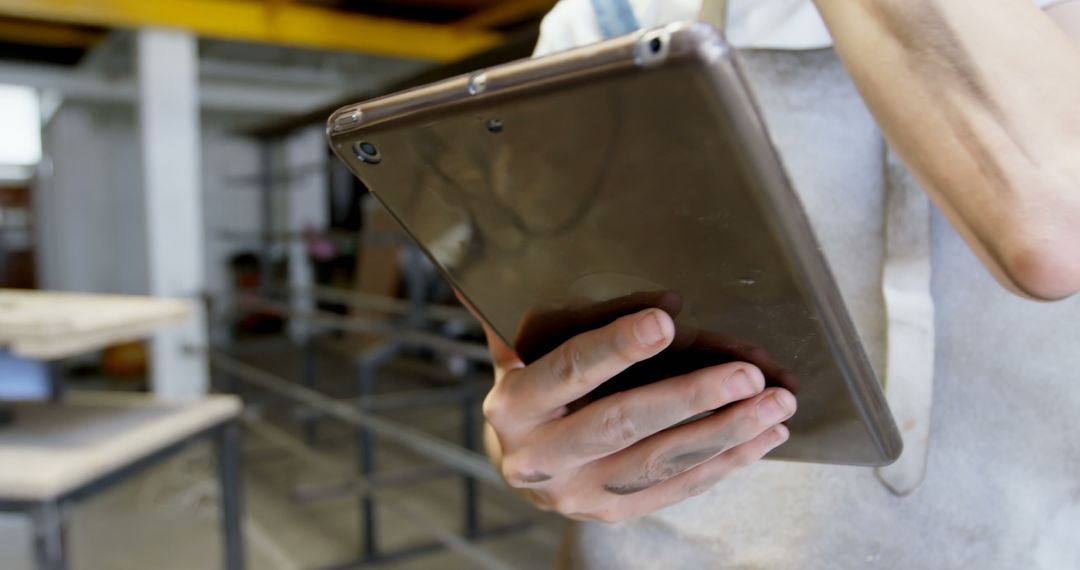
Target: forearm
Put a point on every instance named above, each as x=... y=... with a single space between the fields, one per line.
x=980 y=98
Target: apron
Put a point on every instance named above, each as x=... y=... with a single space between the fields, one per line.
x=906 y=273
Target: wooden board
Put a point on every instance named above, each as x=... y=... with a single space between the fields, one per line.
x=47 y=325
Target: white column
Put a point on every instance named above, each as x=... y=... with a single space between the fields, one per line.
x=306 y=208
x=168 y=114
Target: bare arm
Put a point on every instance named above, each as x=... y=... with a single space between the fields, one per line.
x=981 y=98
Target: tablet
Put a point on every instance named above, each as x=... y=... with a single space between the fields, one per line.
x=560 y=193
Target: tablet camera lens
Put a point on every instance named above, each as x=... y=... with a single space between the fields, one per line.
x=367 y=152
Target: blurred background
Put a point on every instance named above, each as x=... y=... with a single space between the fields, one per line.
x=175 y=149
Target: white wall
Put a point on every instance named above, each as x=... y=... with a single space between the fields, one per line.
x=229 y=205
x=89 y=206
x=89 y=202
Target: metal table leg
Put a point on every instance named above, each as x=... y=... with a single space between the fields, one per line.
x=469 y=431
x=56 y=381
x=367 y=369
x=308 y=378
x=228 y=460
x=50 y=530
x=366 y=452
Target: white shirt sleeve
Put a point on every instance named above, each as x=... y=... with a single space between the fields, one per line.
x=572 y=23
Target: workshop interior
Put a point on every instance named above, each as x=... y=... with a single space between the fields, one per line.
x=216 y=350
x=529 y=284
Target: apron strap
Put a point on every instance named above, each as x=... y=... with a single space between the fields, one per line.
x=909 y=308
x=714 y=13
x=615 y=17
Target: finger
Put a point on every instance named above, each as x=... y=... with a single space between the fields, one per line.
x=584 y=362
x=744 y=351
x=616 y=422
x=680 y=449
x=598 y=314
x=543 y=330
x=690 y=483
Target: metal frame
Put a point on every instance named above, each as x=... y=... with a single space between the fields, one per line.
x=367 y=366
x=464 y=462
x=365 y=488
x=49 y=517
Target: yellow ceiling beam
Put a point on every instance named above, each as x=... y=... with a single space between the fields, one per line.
x=267 y=22
x=46 y=34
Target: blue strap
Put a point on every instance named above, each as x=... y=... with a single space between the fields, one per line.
x=616 y=17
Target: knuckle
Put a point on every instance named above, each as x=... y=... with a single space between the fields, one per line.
x=567 y=364
x=746 y=430
x=516 y=470
x=494 y=407
x=743 y=460
x=706 y=391
x=616 y=430
x=744 y=456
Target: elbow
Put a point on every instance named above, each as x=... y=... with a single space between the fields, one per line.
x=1046 y=266
x=1044 y=273
x=1038 y=246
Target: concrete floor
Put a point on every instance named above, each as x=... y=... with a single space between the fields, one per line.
x=167 y=518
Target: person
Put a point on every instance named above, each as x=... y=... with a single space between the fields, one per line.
x=980 y=103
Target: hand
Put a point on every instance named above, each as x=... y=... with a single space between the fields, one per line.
x=619 y=457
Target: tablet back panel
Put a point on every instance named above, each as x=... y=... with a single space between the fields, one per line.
x=558 y=194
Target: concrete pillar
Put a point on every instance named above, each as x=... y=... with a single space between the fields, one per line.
x=168 y=120
x=306 y=208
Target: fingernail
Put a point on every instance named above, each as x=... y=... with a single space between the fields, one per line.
x=649 y=329
x=742 y=385
x=776 y=407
